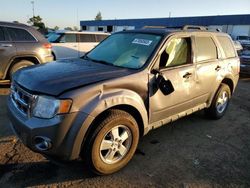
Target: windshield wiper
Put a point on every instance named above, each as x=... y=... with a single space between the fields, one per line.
x=97 y=61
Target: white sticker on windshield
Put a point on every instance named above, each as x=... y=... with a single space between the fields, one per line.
x=144 y=42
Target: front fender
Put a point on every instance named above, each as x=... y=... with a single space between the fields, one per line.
x=102 y=102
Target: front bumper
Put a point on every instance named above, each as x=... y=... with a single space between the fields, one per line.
x=61 y=131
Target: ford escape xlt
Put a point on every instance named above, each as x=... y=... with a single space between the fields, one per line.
x=98 y=107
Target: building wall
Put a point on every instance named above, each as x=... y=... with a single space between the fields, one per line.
x=232 y=24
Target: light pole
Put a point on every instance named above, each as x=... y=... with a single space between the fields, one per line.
x=33 y=8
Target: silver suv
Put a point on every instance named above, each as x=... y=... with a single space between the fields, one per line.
x=98 y=107
x=21 y=46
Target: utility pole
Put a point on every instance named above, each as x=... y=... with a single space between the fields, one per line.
x=169 y=14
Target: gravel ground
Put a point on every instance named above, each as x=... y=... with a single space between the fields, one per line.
x=191 y=152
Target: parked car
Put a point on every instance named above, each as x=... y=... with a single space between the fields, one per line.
x=245 y=62
x=71 y=44
x=21 y=46
x=238 y=46
x=98 y=107
x=244 y=40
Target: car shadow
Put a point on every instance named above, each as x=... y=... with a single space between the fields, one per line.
x=42 y=173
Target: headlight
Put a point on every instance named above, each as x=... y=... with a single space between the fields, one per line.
x=48 y=107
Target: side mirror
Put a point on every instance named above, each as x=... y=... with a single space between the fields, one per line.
x=164 y=85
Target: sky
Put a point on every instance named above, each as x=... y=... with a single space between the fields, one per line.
x=64 y=13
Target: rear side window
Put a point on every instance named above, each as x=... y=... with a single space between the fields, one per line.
x=100 y=38
x=206 y=49
x=68 y=38
x=87 y=38
x=20 y=35
x=2 y=37
x=227 y=47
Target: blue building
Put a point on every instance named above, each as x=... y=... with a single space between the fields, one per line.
x=233 y=24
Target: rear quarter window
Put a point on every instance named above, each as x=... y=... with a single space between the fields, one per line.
x=87 y=38
x=100 y=38
x=68 y=38
x=20 y=35
x=2 y=37
x=227 y=47
x=205 y=49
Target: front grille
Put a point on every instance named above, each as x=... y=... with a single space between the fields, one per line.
x=22 y=100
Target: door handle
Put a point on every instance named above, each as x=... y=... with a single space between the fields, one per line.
x=218 y=68
x=187 y=75
x=6 y=45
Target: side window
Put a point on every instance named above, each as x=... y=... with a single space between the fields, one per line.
x=227 y=47
x=68 y=38
x=100 y=38
x=2 y=37
x=87 y=38
x=177 y=52
x=20 y=35
x=205 y=49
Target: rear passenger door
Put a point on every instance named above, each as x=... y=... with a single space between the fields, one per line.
x=207 y=67
x=230 y=62
x=86 y=43
x=7 y=51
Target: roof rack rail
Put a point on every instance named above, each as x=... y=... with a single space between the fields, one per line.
x=194 y=27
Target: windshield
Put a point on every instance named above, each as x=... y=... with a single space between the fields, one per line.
x=53 y=37
x=129 y=50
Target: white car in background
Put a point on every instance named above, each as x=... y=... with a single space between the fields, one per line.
x=73 y=44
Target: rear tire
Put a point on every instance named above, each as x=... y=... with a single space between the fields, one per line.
x=20 y=65
x=220 y=103
x=112 y=144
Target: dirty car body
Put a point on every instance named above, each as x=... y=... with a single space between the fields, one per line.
x=141 y=81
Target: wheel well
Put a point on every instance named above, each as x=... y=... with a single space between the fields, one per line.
x=127 y=108
x=133 y=112
x=230 y=83
x=18 y=59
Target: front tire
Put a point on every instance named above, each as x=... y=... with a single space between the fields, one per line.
x=113 y=143
x=220 y=103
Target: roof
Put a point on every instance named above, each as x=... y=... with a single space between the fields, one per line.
x=175 y=22
x=13 y=24
x=81 y=32
x=167 y=31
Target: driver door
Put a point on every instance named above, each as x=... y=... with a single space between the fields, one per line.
x=176 y=65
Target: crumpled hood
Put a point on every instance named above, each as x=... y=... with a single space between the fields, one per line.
x=56 y=77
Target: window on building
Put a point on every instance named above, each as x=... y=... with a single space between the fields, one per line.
x=109 y=28
x=178 y=52
x=100 y=28
x=227 y=47
x=84 y=27
x=206 y=49
x=20 y=35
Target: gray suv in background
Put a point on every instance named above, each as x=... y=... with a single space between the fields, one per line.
x=21 y=46
x=98 y=107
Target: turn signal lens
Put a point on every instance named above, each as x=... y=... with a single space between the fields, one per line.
x=64 y=106
x=47 y=46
